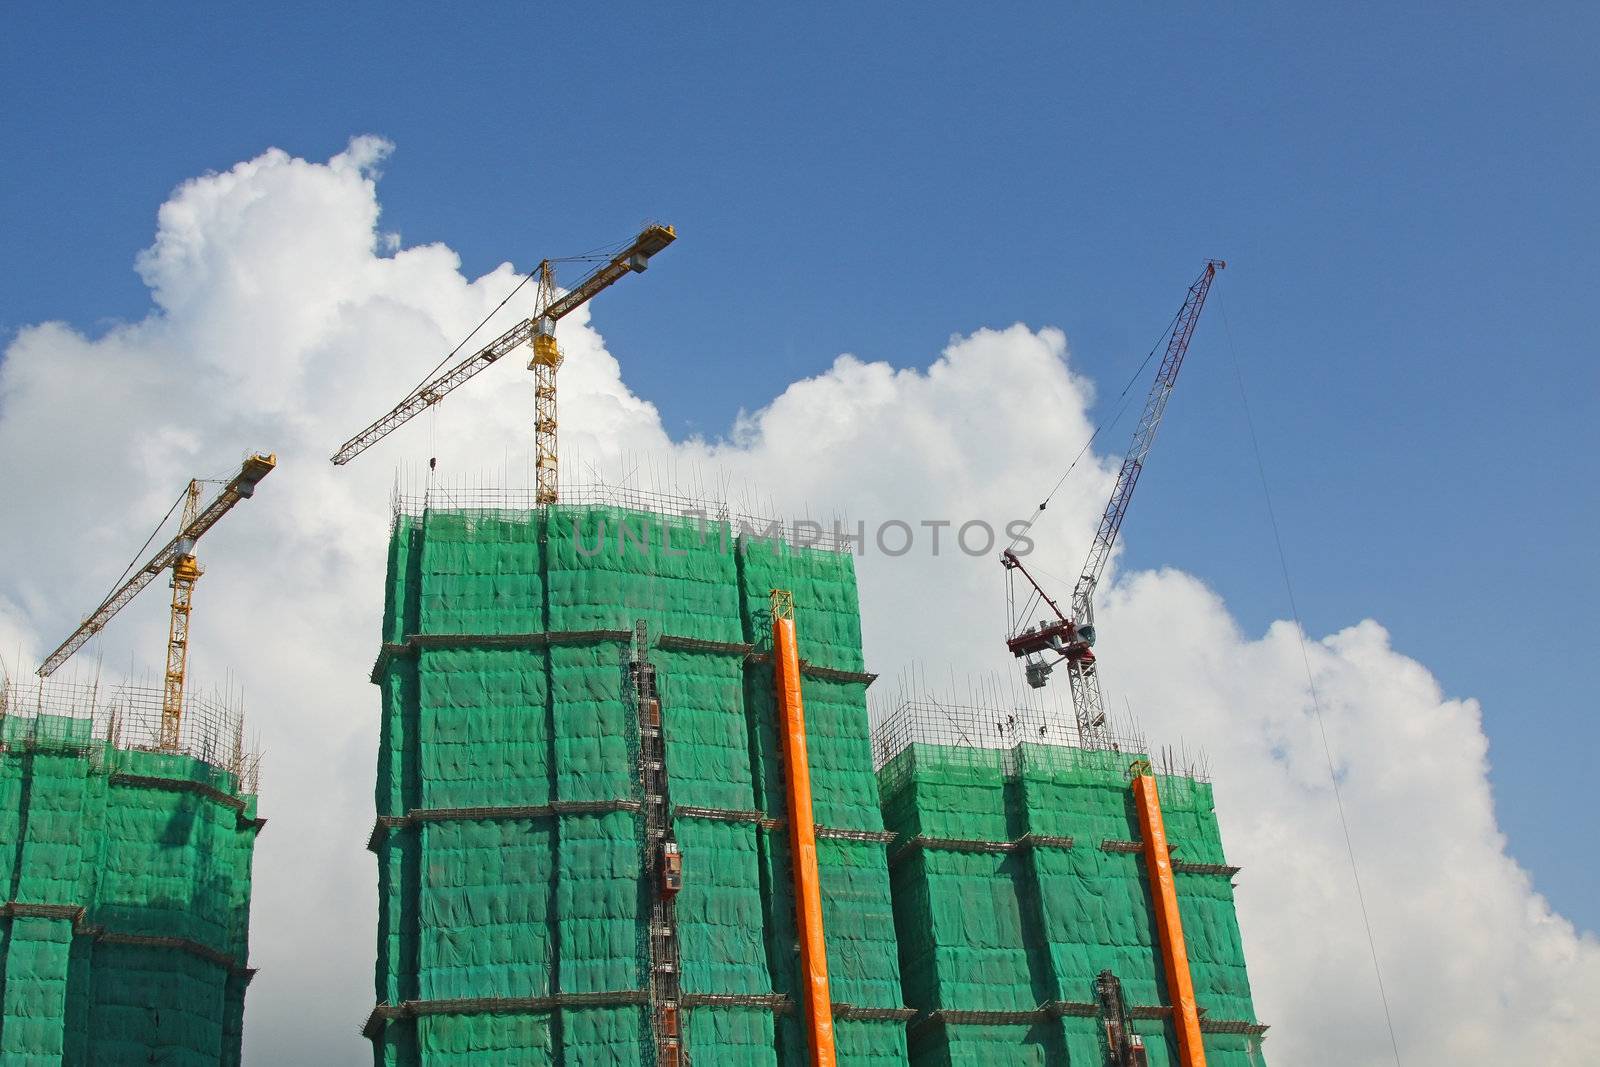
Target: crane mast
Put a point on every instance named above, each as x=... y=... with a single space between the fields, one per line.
x=539 y=332
x=185 y=572
x=544 y=364
x=177 y=555
x=1071 y=637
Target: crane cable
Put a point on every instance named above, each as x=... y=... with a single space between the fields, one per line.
x=1012 y=622
x=1126 y=400
x=138 y=556
x=1316 y=700
x=427 y=378
x=590 y=256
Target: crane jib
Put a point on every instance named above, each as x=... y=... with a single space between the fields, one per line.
x=241 y=486
x=633 y=258
x=1035 y=645
x=1144 y=435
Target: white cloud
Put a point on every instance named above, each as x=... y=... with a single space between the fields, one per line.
x=1477 y=966
x=279 y=324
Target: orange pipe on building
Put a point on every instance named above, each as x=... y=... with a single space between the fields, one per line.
x=1169 y=925
x=802 y=834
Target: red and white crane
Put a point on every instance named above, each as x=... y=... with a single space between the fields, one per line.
x=1068 y=637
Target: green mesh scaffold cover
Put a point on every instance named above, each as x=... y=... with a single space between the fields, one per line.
x=126 y=901
x=1018 y=878
x=513 y=918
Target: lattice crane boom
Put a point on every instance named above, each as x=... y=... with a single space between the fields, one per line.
x=178 y=556
x=1072 y=636
x=538 y=331
x=1144 y=437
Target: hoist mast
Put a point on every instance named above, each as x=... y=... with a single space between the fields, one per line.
x=1071 y=637
x=537 y=331
x=178 y=556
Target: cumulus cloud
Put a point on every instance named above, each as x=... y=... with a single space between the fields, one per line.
x=284 y=317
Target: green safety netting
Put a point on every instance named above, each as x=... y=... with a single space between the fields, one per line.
x=734 y=1035
x=1009 y=931
x=720 y=908
x=125 y=932
x=504 y=685
x=708 y=748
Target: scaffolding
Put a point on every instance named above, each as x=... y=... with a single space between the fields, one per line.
x=977 y=729
x=708 y=519
x=128 y=717
x=1018 y=882
x=554 y=716
x=518 y=771
x=124 y=933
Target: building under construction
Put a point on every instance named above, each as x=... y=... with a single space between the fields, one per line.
x=1031 y=928
x=629 y=812
x=127 y=830
x=124 y=932
x=629 y=808
x=579 y=711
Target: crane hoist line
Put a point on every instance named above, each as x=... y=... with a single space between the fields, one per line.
x=538 y=331
x=177 y=555
x=1069 y=636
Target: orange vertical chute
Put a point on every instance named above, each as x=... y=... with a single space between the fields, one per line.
x=818 y=1005
x=1169 y=925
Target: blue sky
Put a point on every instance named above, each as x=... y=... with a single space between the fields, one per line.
x=1406 y=200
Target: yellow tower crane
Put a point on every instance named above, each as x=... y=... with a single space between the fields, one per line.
x=539 y=331
x=178 y=556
